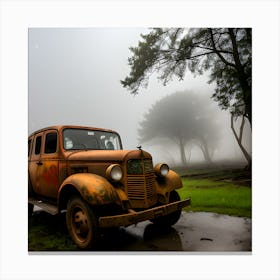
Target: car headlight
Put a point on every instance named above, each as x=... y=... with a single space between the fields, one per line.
x=161 y=169
x=114 y=172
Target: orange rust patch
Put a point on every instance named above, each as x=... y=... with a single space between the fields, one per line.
x=50 y=175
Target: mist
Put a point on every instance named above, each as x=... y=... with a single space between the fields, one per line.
x=74 y=78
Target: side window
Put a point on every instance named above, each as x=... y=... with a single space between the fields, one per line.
x=29 y=147
x=38 y=145
x=51 y=143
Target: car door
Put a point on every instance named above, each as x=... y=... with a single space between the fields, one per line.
x=47 y=171
x=44 y=164
x=35 y=162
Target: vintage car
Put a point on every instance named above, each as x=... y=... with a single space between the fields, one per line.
x=85 y=172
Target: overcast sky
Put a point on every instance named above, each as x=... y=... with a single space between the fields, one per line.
x=74 y=78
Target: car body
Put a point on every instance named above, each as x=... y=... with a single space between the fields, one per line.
x=85 y=171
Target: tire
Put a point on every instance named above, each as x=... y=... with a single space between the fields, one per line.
x=170 y=219
x=82 y=223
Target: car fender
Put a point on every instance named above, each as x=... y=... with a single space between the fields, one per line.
x=169 y=183
x=95 y=189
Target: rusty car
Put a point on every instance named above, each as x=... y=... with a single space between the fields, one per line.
x=85 y=173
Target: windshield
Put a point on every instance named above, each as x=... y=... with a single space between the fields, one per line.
x=85 y=139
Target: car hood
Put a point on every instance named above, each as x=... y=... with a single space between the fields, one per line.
x=106 y=155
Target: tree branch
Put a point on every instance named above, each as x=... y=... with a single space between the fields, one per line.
x=235 y=50
x=217 y=52
x=201 y=54
x=245 y=153
x=214 y=50
x=241 y=129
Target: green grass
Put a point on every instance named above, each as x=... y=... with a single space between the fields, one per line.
x=48 y=233
x=217 y=196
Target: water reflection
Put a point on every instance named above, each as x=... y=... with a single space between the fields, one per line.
x=142 y=237
x=163 y=239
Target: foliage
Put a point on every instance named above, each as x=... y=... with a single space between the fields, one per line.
x=183 y=119
x=225 y=52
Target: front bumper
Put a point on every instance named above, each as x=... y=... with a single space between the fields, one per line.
x=136 y=217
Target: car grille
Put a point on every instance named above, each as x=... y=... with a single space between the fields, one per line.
x=139 y=166
x=141 y=187
x=148 y=166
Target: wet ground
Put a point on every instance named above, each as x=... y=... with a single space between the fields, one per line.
x=199 y=232
x=194 y=232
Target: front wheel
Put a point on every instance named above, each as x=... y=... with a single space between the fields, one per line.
x=170 y=219
x=82 y=223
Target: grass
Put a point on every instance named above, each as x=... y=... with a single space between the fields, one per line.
x=48 y=233
x=217 y=196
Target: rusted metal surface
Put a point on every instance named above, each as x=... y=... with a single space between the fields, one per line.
x=136 y=217
x=141 y=190
x=95 y=189
x=165 y=185
x=106 y=155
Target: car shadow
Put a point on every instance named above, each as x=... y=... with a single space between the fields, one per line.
x=144 y=236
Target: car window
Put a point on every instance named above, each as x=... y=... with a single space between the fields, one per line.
x=38 y=145
x=50 y=143
x=86 y=139
x=29 y=146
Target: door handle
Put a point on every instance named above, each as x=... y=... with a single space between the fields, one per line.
x=39 y=163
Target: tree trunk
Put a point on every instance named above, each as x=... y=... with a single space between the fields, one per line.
x=206 y=154
x=204 y=148
x=239 y=140
x=242 y=77
x=182 y=152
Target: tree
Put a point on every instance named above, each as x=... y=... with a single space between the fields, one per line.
x=183 y=119
x=224 y=52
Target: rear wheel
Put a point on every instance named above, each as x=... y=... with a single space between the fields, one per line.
x=172 y=218
x=82 y=223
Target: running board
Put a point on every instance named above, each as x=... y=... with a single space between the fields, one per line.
x=47 y=207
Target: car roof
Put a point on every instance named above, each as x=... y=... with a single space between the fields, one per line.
x=61 y=127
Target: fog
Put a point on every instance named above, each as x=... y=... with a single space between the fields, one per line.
x=74 y=78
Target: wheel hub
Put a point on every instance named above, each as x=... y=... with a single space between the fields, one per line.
x=81 y=224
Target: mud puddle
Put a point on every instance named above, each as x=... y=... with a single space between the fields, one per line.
x=203 y=232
